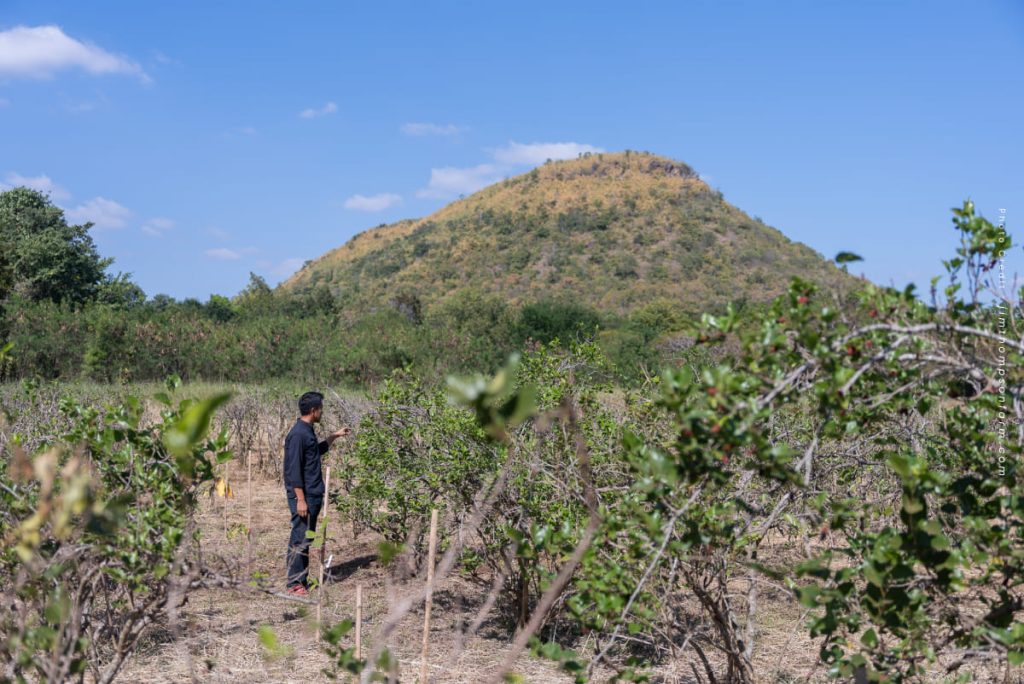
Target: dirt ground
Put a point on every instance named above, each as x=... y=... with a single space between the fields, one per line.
x=218 y=641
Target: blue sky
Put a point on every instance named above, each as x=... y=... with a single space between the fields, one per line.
x=208 y=140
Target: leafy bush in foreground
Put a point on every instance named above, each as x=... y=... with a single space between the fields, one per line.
x=860 y=450
x=97 y=536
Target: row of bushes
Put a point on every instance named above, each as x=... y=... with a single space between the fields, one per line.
x=255 y=338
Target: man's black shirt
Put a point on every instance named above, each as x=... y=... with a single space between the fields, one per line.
x=302 y=460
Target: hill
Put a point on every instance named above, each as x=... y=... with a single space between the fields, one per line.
x=612 y=231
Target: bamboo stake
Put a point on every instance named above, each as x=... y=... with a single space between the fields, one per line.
x=430 y=595
x=359 y=620
x=323 y=555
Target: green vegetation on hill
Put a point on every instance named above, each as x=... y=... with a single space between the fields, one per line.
x=627 y=249
x=609 y=231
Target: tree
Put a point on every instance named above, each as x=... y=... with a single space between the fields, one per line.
x=160 y=302
x=257 y=298
x=220 y=308
x=6 y=275
x=548 y=320
x=48 y=258
x=119 y=291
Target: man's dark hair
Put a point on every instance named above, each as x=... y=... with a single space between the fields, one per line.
x=310 y=401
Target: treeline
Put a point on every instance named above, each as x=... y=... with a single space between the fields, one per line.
x=263 y=334
x=69 y=318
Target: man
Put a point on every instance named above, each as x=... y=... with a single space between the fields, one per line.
x=304 y=484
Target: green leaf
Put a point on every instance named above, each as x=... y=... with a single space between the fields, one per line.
x=869 y=638
x=901 y=464
x=847 y=258
x=387 y=551
x=267 y=637
x=809 y=595
x=190 y=429
x=912 y=504
x=872 y=575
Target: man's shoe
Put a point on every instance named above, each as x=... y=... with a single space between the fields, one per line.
x=298 y=590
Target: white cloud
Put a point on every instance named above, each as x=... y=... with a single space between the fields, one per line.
x=161 y=58
x=372 y=202
x=241 y=131
x=101 y=212
x=219 y=234
x=223 y=254
x=532 y=154
x=287 y=267
x=42 y=183
x=421 y=129
x=312 y=113
x=451 y=181
x=157 y=226
x=84 y=106
x=281 y=269
x=42 y=51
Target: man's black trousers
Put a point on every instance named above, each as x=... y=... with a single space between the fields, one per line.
x=298 y=544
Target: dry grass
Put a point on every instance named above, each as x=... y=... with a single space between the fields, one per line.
x=219 y=640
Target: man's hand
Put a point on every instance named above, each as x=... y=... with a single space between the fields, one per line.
x=301 y=508
x=343 y=432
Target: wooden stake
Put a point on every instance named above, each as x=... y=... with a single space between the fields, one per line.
x=248 y=503
x=431 y=549
x=359 y=620
x=225 y=471
x=323 y=554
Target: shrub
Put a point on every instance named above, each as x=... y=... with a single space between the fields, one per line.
x=548 y=320
x=97 y=535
